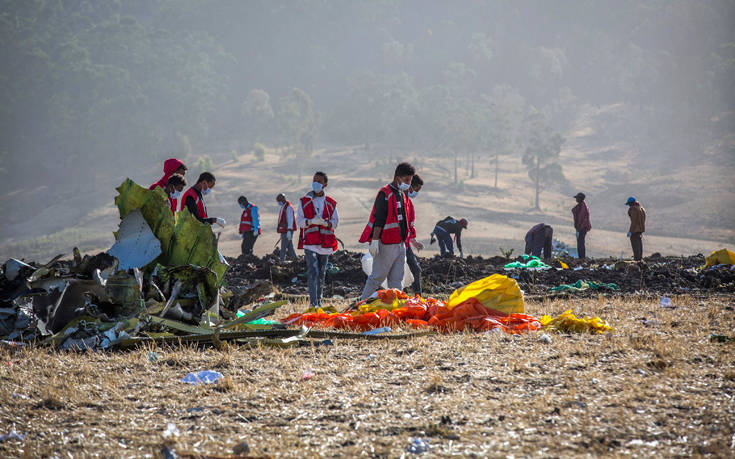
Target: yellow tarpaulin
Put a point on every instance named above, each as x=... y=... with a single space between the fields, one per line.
x=497 y=292
x=721 y=257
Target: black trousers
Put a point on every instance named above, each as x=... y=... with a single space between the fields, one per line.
x=413 y=265
x=581 y=250
x=248 y=241
x=636 y=241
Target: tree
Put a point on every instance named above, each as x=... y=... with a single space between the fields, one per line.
x=258 y=114
x=543 y=147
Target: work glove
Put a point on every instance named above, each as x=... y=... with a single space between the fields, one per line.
x=242 y=235
x=433 y=239
x=289 y=234
x=221 y=222
x=629 y=234
x=577 y=233
x=318 y=221
x=417 y=245
x=374 y=248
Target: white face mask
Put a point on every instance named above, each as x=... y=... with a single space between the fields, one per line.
x=317 y=187
x=176 y=194
x=403 y=186
x=206 y=191
x=412 y=194
x=280 y=204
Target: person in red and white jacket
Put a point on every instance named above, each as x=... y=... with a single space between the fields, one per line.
x=387 y=231
x=286 y=226
x=411 y=260
x=317 y=219
x=249 y=225
x=174 y=187
x=195 y=197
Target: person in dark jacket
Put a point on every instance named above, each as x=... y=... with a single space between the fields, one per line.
x=195 y=196
x=539 y=238
x=637 y=215
x=582 y=225
x=443 y=231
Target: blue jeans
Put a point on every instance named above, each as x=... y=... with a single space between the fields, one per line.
x=445 y=241
x=315 y=271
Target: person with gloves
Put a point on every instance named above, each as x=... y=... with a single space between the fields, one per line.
x=582 y=225
x=170 y=167
x=196 y=195
x=443 y=231
x=637 y=215
x=249 y=225
x=387 y=231
x=317 y=219
x=413 y=263
x=174 y=187
x=286 y=227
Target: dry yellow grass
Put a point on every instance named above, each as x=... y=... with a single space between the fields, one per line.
x=657 y=390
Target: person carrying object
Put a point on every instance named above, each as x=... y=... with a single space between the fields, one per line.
x=539 y=237
x=387 y=232
x=286 y=226
x=637 y=215
x=582 y=225
x=443 y=231
x=249 y=225
x=195 y=197
x=317 y=218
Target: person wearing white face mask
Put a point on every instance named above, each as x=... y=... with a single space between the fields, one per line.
x=388 y=232
x=317 y=218
x=411 y=260
x=249 y=225
x=173 y=189
x=194 y=199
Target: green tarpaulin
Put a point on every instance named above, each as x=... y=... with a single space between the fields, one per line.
x=581 y=286
x=528 y=262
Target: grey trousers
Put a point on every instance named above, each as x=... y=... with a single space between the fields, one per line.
x=388 y=264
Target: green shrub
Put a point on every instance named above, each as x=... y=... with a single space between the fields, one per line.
x=259 y=151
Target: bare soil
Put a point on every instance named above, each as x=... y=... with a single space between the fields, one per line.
x=657 y=386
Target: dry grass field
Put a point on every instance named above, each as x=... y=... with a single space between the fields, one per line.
x=657 y=386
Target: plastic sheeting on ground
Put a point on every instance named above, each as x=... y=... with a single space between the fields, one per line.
x=529 y=262
x=581 y=286
x=720 y=257
x=393 y=307
x=567 y=322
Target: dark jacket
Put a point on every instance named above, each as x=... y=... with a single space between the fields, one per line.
x=452 y=226
x=637 y=215
x=581 y=215
x=192 y=206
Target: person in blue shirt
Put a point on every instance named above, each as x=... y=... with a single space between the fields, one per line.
x=249 y=225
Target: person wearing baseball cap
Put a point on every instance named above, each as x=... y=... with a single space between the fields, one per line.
x=443 y=231
x=582 y=225
x=637 y=215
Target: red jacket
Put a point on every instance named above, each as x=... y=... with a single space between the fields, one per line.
x=246 y=220
x=201 y=207
x=392 y=229
x=581 y=215
x=169 y=167
x=411 y=217
x=315 y=234
x=283 y=221
x=172 y=204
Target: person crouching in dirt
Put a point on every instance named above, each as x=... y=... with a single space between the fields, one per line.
x=249 y=225
x=537 y=238
x=387 y=232
x=195 y=197
x=317 y=219
x=582 y=225
x=637 y=215
x=174 y=186
x=286 y=227
x=443 y=232
x=411 y=260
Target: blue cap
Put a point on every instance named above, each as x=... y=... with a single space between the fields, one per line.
x=630 y=200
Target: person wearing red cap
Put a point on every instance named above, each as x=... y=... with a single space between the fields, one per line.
x=170 y=167
x=443 y=231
